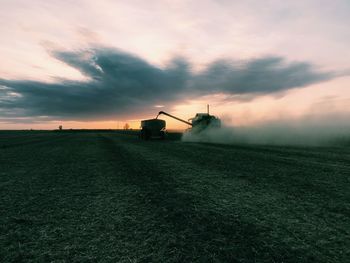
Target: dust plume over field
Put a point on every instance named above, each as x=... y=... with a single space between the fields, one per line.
x=317 y=131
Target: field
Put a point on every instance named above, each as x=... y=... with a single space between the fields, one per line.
x=109 y=197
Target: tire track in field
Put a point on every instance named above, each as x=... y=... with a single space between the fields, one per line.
x=303 y=181
x=182 y=210
x=188 y=159
x=336 y=156
x=281 y=172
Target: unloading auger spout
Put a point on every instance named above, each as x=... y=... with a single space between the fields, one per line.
x=174 y=117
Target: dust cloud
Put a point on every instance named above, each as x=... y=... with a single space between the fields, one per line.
x=308 y=131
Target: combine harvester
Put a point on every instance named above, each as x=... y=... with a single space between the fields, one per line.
x=156 y=127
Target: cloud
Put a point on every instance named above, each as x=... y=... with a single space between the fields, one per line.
x=124 y=85
x=258 y=76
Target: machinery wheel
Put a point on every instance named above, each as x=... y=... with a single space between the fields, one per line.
x=145 y=134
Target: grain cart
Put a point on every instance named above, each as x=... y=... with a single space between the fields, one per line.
x=152 y=128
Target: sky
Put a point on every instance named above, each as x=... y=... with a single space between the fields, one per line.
x=101 y=64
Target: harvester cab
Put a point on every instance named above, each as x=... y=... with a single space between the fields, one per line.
x=203 y=121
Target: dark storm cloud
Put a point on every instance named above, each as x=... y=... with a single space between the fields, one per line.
x=263 y=75
x=122 y=84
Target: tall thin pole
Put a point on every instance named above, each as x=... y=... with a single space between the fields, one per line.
x=208 y=109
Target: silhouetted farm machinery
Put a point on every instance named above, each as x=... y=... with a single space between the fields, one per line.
x=152 y=128
x=155 y=128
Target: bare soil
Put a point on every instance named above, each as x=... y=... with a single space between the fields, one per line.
x=109 y=197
